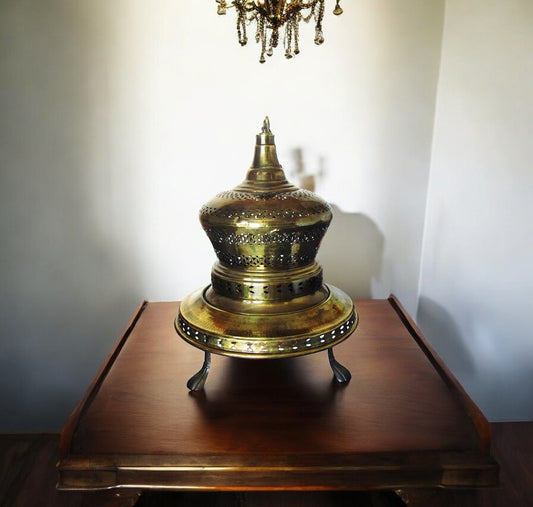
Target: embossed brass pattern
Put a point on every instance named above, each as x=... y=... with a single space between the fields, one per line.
x=267 y=298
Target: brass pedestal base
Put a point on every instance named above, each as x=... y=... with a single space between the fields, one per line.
x=267 y=330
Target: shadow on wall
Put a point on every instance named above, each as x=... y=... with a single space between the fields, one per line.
x=68 y=288
x=351 y=253
x=441 y=330
x=352 y=249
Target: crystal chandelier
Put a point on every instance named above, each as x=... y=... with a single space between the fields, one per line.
x=270 y=16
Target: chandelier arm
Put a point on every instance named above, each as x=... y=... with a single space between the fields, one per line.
x=295 y=8
x=311 y=14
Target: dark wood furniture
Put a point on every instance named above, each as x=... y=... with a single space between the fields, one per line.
x=28 y=472
x=402 y=422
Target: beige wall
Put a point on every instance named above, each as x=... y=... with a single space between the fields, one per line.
x=477 y=272
x=119 y=119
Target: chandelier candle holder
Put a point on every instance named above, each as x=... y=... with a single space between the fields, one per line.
x=267 y=298
x=271 y=16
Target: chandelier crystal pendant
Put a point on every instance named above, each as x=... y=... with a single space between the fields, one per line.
x=271 y=16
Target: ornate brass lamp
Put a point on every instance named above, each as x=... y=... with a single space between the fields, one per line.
x=272 y=15
x=267 y=298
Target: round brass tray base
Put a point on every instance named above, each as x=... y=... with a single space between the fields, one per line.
x=282 y=332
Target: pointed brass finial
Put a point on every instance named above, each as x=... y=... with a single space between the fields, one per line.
x=265 y=157
x=266 y=126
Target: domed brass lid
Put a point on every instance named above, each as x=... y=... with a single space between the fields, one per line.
x=267 y=297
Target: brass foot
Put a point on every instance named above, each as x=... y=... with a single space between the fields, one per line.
x=342 y=374
x=197 y=381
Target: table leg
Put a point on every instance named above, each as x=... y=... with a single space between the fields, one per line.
x=197 y=381
x=342 y=374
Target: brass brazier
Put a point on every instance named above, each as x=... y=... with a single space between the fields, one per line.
x=267 y=298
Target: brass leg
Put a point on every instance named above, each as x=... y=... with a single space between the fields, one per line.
x=197 y=381
x=342 y=374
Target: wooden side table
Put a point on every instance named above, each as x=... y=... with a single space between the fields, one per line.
x=403 y=421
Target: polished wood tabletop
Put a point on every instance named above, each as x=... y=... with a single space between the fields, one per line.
x=276 y=424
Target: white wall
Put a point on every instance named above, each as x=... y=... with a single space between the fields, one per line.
x=477 y=273
x=119 y=119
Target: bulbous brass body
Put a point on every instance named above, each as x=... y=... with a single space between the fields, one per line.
x=267 y=298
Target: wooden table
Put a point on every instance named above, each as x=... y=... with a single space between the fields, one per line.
x=403 y=421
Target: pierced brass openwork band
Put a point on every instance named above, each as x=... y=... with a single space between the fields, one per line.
x=266 y=285
x=281 y=347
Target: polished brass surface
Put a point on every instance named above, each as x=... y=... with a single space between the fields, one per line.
x=272 y=333
x=267 y=298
